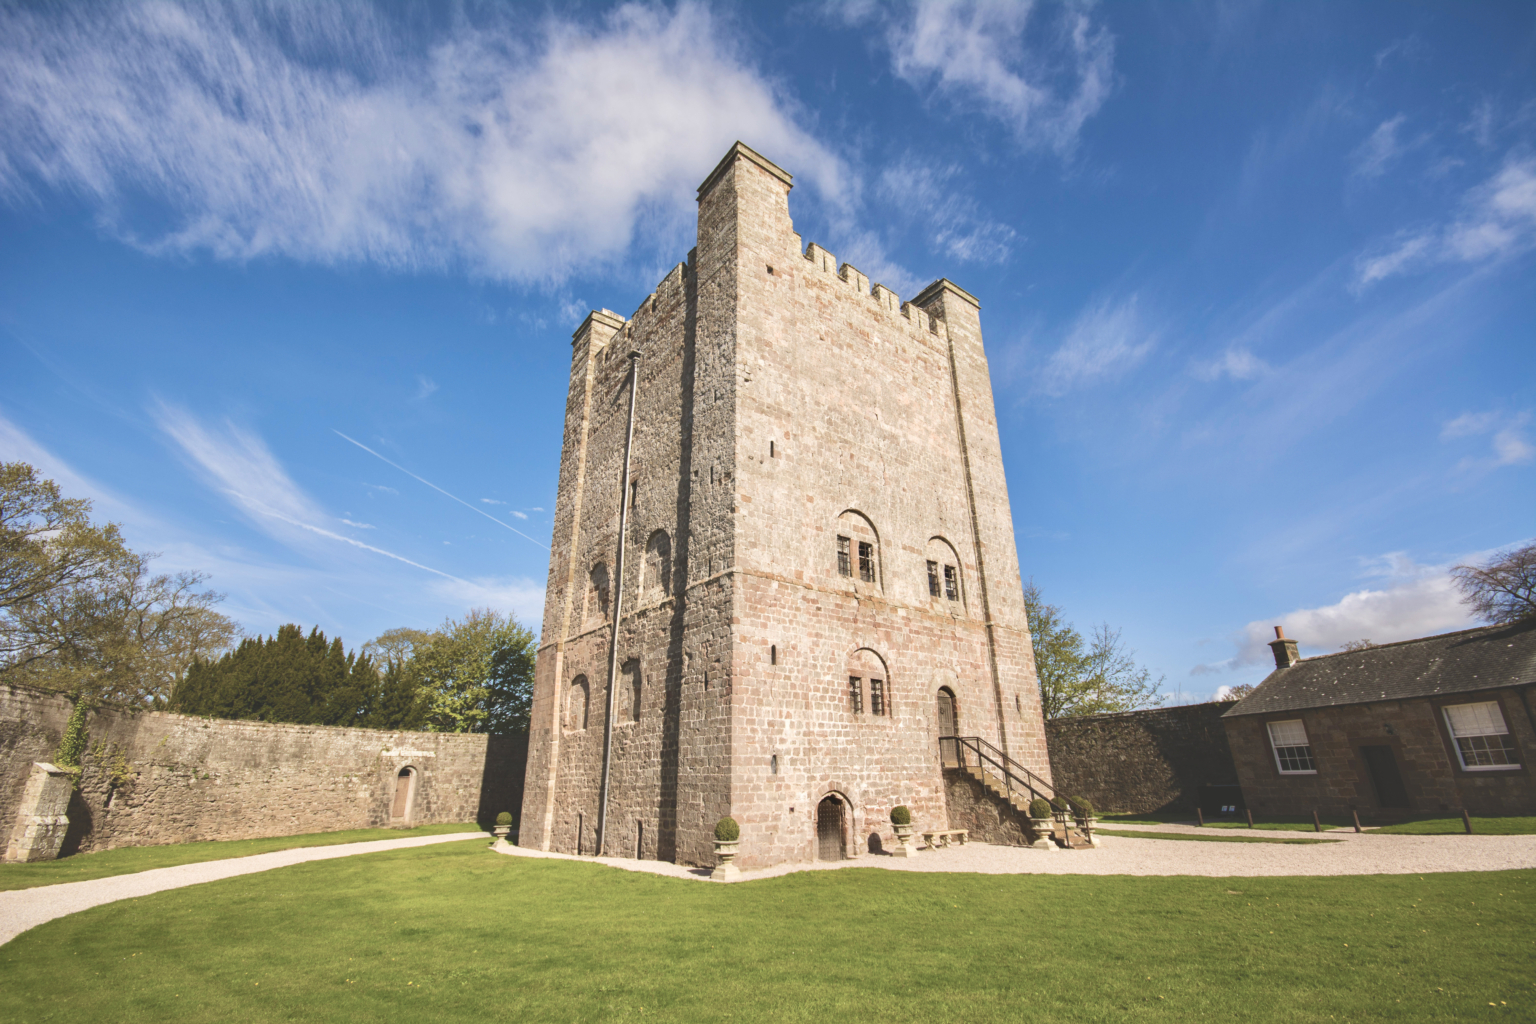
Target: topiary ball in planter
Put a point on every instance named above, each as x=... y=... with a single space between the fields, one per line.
x=1084 y=808
x=727 y=831
x=1039 y=807
x=901 y=815
x=504 y=819
x=1061 y=804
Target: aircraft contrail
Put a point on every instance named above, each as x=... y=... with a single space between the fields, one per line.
x=439 y=490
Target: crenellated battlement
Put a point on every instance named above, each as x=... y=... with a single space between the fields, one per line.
x=880 y=296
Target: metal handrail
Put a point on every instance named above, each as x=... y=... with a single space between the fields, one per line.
x=963 y=748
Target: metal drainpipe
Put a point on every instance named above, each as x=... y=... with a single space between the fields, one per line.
x=618 y=599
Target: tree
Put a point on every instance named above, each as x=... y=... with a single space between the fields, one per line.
x=1238 y=692
x=1357 y=645
x=477 y=674
x=82 y=614
x=1502 y=589
x=1079 y=677
x=286 y=677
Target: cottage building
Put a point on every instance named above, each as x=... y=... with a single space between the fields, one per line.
x=783 y=562
x=1425 y=726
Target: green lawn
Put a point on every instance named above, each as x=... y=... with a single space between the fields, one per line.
x=129 y=859
x=1447 y=826
x=1209 y=839
x=457 y=933
x=1417 y=827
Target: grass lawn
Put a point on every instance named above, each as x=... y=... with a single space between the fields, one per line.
x=128 y=859
x=1185 y=836
x=457 y=933
x=1417 y=827
x=1446 y=826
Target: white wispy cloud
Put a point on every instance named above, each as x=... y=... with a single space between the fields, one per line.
x=1497 y=219
x=1414 y=600
x=425 y=386
x=927 y=192
x=516 y=147
x=1371 y=158
x=1040 y=71
x=360 y=526
x=1234 y=363
x=492 y=501
x=1107 y=340
x=520 y=515
x=1508 y=435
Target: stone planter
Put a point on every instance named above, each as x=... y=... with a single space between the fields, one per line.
x=1089 y=828
x=501 y=832
x=725 y=871
x=903 y=841
x=1044 y=832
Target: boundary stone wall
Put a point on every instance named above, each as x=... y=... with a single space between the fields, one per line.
x=151 y=778
x=1138 y=762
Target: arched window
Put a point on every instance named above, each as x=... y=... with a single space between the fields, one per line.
x=858 y=548
x=945 y=582
x=597 y=594
x=657 y=582
x=579 y=704
x=869 y=690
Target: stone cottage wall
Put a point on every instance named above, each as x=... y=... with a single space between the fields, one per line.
x=1139 y=762
x=152 y=778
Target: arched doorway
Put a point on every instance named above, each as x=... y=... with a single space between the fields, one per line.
x=948 y=726
x=404 y=784
x=829 y=829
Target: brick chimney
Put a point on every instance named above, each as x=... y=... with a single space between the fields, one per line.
x=1285 y=650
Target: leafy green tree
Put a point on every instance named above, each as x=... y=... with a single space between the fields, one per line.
x=1084 y=676
x=82 y=614
x=477 y=674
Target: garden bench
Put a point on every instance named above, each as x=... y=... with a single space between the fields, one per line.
x=943 y=836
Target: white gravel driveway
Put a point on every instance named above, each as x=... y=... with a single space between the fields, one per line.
x=27 y=908
x=1355 y=854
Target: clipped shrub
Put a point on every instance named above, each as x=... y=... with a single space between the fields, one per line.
x=726 y=830
x=1039 y=807
x=504 y=818
x=901 y=815
x=1082 y=806
x=1061 y=803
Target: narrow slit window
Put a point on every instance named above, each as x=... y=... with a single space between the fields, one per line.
x=770 y=450
x=877 y=696
x=844 y=566
x=1293 y=751
x=866 y=562
x=634 y=494
x=951 y=583
x=856 y=695
x=773 y=654
x=933 y=579
x=1482 y=737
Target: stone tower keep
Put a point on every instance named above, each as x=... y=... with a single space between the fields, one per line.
x=818 y=565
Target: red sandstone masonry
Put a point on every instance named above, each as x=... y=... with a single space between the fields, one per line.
x=777 y=392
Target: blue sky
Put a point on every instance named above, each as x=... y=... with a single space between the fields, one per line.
x=1256 y=281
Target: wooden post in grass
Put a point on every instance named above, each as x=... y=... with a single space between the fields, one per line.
x=1250 y=818
x=1317 y=823
x=1466 y=819
x=1200 y=817
x=1357 y=818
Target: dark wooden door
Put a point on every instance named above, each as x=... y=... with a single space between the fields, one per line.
x=1388 y=781
x=402 y=794
x=829 y=829
x=947 y=751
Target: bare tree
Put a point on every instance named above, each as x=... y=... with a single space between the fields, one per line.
x=1502 y=589
x=1357 y=645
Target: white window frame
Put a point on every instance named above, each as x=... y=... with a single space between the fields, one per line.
x=1450 y=727
x=1274 y=748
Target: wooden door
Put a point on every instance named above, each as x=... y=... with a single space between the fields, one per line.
x=1382 y=764
x=829 y=829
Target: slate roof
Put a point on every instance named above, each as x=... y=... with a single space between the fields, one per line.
x=1473 y=659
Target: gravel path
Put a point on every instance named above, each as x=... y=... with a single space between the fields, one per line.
x=1362 y=854
x=27 y=908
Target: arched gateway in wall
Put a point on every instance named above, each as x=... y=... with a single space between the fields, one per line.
x=830 y=829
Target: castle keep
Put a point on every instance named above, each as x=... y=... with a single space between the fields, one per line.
x=784 y=489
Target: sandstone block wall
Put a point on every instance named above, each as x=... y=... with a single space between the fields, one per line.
x=782 y=401
x=1142 y=761
x=153 y=778
x=1415 y=730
